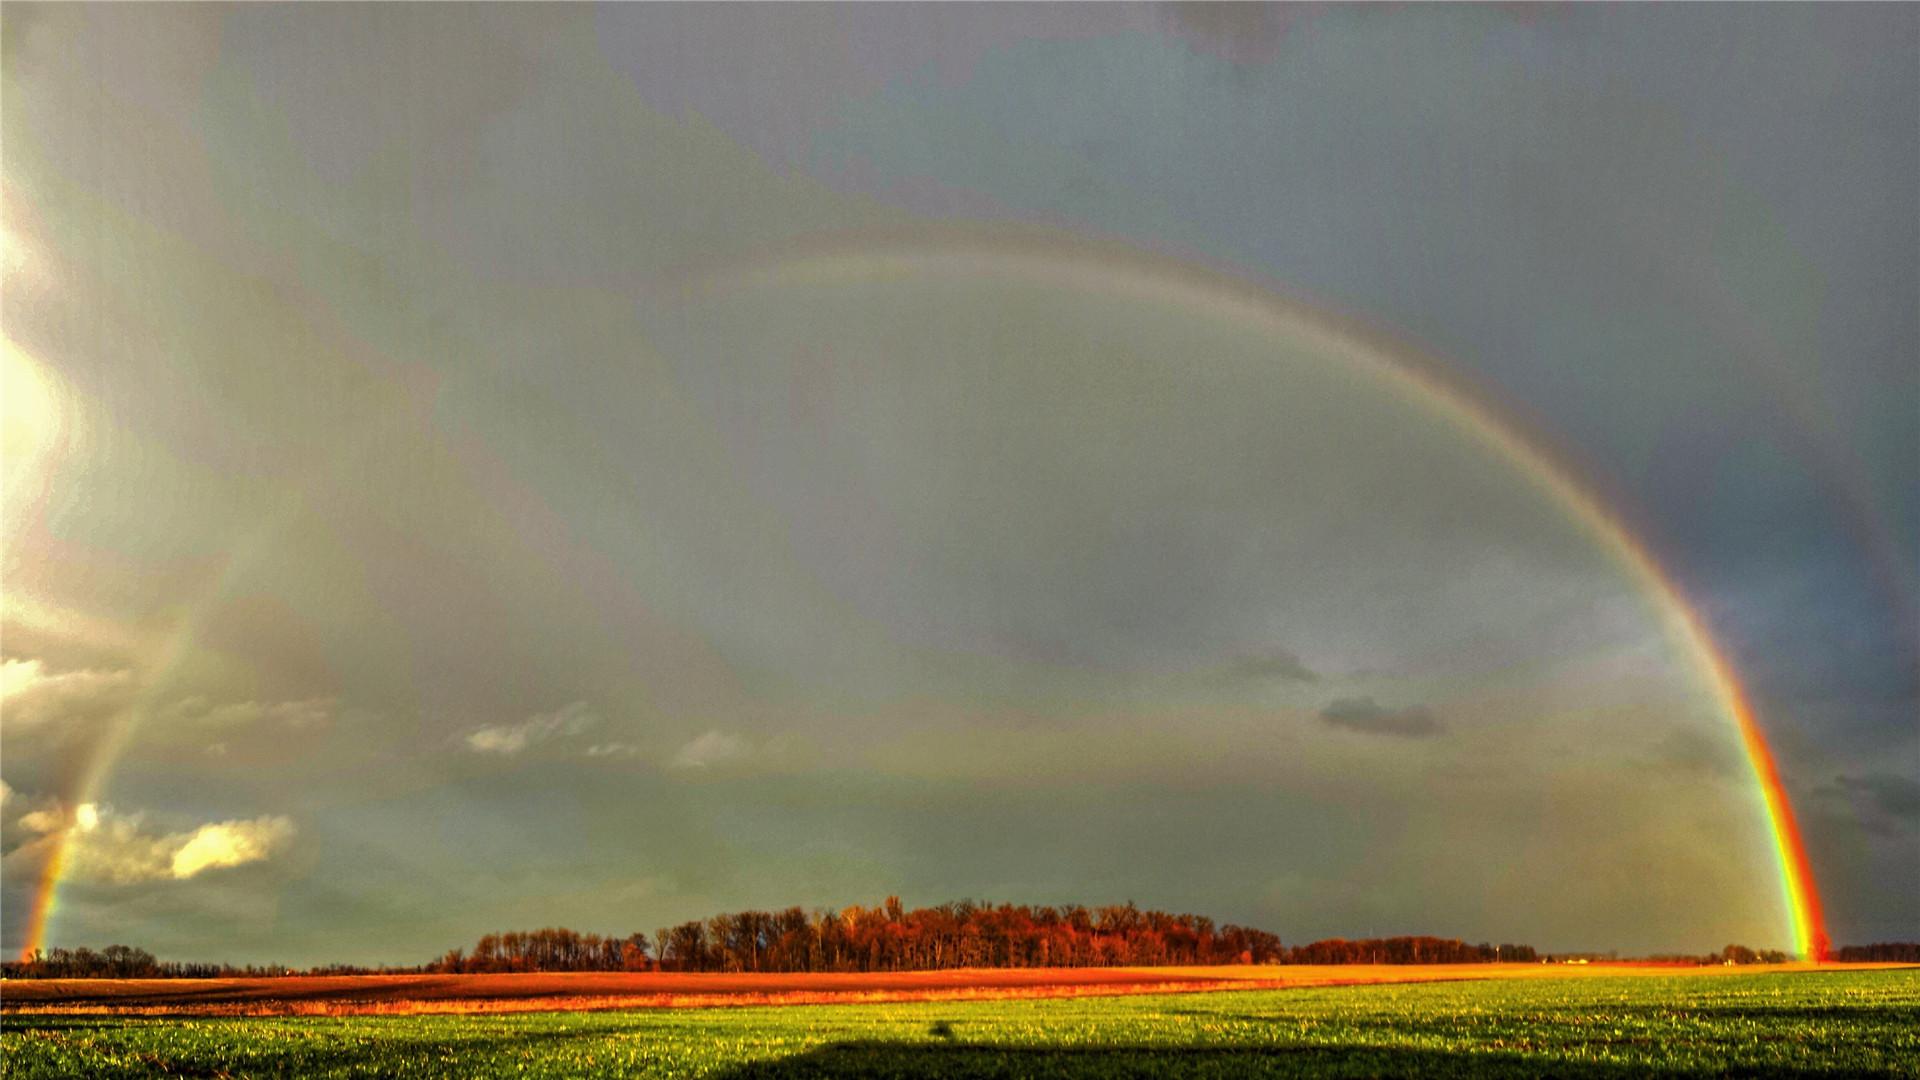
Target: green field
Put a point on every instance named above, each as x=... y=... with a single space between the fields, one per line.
x=1842 y=1023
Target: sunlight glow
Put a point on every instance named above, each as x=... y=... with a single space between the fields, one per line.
x=31 y=429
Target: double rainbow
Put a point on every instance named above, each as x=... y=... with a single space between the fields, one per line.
x=1063 y=261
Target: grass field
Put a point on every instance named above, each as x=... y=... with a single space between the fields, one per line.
x=1798 y=1023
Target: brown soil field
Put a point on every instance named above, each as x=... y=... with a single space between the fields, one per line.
x=375 y=994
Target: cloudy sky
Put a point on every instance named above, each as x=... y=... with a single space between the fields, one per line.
x=472 y=469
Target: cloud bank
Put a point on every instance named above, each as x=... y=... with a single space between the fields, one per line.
x=34 y=699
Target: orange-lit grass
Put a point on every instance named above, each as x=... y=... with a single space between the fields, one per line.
x=344 y=995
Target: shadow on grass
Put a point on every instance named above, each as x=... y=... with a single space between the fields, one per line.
x=970 y=1060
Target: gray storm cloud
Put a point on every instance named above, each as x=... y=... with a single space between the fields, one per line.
x=1272 y=664
x=1365 y=715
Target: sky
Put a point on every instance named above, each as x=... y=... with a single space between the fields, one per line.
x=470 y=469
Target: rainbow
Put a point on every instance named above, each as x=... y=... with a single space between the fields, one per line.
x=42 y=908
x=1060 y=260
x=165 y=661
x=1070 y=261
x=92 y=775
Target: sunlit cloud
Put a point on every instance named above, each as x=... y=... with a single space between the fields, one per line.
x=33 y=698
x=507 y=739
x=111 y=848
x=230 y=843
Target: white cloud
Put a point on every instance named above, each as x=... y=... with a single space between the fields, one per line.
x=712 y=749
x=301 y=714
x=614 y=749
x=568 y=720
x=105 y=847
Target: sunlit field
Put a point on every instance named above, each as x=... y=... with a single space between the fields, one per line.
x=1691 y=1024
x=360 y=995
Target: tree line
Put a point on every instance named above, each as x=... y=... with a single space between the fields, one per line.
x=1883 y=952
x=123 y=962
x=1740 y=954
x=1408 y=950
x=960 y=934
x=112 y=962
x=889 y=937
x=554 y=948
